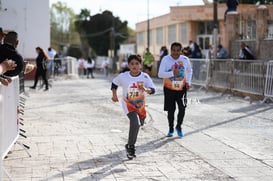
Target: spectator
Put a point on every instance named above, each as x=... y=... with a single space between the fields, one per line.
x=89 y=66
x=148 y=61
x=196 y=54
x=124 y=66
x=8 y=51
x=41 y=66
x=231 y=6
x=105 y=67
x=81 y=66
x=50 y=62
x=2 y=35
x=57 y=64
x=245 y=52
x=222 y=52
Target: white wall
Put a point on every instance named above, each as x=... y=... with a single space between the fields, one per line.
x=30 y=19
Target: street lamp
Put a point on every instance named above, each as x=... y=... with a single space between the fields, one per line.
x=148 y=26
x=215 y=28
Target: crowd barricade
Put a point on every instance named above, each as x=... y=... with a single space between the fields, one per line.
x=200 y=69
x=71 y=65
x=249 y=76
x=268 y=90
x=220 y=72
x=9 y=127
x=246 y=76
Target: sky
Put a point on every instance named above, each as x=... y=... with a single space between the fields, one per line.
x=132 y=11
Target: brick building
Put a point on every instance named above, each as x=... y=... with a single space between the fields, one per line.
x=251 y=24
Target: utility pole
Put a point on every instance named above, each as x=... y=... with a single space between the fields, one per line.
x=148 y=26
x=215 y=28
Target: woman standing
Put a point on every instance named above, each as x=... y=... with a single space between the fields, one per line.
x=41 y=67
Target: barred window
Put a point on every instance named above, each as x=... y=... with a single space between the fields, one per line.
x=183 y=33
x=247 y=28
x=171 y=33
x=270 y=30
x=140 y=38
x=159 y=36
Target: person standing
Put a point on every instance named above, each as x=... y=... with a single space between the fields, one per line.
x=221 y=52
x=9 y=54
x=245 y=52
x=176 y=71
x=2 y=35
x=105 y=67
x=89 y=66
x=50 y=62
x=134 y=85
x=148 y=61
x=231 y=6
x=41 y=65
x=196 y=54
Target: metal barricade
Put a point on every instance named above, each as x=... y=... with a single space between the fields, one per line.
x=268 y=90
x=71 y=66
x=200 y=69
x=220 y=72
x=9 y=129
x=249 y=76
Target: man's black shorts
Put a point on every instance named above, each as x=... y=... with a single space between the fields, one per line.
x=171 y=97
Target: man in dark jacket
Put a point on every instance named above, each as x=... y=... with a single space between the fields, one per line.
x=231 y=6
x=8 y=51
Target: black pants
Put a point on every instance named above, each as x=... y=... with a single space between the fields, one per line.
x=40 y=72
x=171 y=98
x=134 y=127
x=90 y=72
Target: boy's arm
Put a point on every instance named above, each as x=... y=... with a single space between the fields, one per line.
x=114 y=88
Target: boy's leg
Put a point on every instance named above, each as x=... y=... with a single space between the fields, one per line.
x=134 y=127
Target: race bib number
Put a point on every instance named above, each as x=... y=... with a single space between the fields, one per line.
x=133 y=93
x=177 y=85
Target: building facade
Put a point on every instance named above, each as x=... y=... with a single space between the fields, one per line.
x=30 y=19
x=251 y=23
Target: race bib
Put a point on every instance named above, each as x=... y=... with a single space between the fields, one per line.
x=177 y=85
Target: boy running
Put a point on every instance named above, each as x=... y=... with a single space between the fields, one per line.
x=134 y=84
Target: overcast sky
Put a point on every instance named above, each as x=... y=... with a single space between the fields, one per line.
x=132 y=11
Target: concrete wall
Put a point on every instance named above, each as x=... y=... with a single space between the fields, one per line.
x=30 y=19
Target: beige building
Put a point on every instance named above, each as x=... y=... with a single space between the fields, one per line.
x=251 y=24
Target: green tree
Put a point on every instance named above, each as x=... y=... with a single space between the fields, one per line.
x=103 y=31
x=62 y=32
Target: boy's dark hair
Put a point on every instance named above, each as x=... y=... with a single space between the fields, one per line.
x=134 y=57
x=176 y=44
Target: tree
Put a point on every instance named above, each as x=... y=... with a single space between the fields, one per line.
x=62 y=32
x=103 y=31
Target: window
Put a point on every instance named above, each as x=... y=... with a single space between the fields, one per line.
x=251 y=30
x=184 y=33
x=171 y=33
x=247 y=28
x=270 y=30
x=159 y=36
x=205 y=27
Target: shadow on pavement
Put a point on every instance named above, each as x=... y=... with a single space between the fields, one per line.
x=110 y=161
x=226 y=122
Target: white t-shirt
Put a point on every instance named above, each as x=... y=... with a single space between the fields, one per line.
x=166 y=72
x=133 y=98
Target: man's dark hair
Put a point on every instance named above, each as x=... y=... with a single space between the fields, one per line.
x=176 y=44
x=11 y=38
